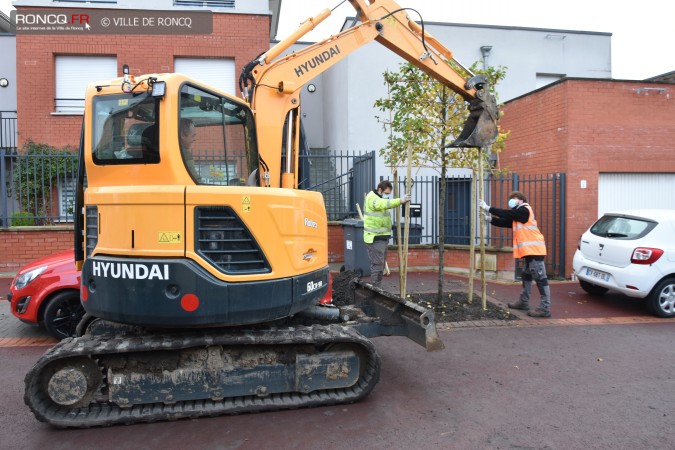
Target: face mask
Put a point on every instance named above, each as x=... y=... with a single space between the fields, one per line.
x=386 y=195
x=513 y=203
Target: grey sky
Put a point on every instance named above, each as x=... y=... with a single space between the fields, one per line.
x=642 y=33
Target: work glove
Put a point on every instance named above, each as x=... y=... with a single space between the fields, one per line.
x=405 y=199
x=488 y=219
x=484 y=206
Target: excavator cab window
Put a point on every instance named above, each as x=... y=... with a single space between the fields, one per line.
x=125 y=129
x=216 y=136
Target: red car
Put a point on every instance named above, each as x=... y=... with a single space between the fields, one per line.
x=47 y=292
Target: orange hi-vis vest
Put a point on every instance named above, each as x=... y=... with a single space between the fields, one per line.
x=527 y=239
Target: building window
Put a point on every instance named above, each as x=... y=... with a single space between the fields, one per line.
x=205 y=3
x=74 y=73
x=217 y=73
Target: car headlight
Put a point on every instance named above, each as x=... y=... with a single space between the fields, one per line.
x=25 y=279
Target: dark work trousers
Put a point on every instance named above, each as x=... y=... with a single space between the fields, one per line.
x=535 y=269
x=377 y=253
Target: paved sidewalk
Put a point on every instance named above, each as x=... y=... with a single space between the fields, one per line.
x=570 y=306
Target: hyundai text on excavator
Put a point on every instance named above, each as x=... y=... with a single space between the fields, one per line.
x=202 y=263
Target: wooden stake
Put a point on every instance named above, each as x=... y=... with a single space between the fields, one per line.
x=472 y=233
x=482 y=230
x=406 y=236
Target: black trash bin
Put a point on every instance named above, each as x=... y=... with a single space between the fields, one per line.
x=356 y=253
x=414 y=233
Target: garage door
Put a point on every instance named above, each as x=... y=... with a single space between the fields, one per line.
x=617 y=191
x=218 y=73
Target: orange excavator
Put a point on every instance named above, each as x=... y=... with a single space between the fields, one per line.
x=203 y=265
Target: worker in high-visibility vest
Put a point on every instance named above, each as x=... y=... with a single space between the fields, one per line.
x=528 y=245
x=377 y=226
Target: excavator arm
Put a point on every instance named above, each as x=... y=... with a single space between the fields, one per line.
x=271 y=84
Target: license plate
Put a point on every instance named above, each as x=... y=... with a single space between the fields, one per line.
x=597 y=274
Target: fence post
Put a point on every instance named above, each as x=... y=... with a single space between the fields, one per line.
x=3 y=189
x=563 y=199
x=515 y=181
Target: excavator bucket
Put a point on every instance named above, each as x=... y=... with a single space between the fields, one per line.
x=390 y=315
x=480 y=129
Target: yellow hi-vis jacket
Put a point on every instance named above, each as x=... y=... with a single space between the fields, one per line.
x=376 y=217
x=527 y=239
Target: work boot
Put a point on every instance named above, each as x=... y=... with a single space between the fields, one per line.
x=520 y=305
x=539 y=312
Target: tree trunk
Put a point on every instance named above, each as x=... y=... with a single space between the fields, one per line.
x=441 y=233
x=441 y=206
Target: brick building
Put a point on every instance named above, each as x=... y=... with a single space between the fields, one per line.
x=52 y=72
x=613 y=139
x=51 y=68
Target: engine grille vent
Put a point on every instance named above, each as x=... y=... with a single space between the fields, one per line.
x=223 y=240
x=92 y=229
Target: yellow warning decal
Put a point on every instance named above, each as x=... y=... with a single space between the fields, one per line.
x=123 y=102
x=169 y=237
x=246 y=203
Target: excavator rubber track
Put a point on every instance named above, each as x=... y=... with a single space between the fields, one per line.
x=60 y=372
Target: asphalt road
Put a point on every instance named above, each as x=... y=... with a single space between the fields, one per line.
x=570 y=387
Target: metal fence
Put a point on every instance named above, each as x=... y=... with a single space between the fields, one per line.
x=37 y=187
x=546 y=194
x=8 y=134
x=342 y=178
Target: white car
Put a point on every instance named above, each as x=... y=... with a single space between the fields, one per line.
x=632 y=252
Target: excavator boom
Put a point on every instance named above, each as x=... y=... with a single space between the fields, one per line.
x=271 y=84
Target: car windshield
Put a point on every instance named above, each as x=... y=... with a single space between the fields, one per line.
x=622 y=227
x=125 y=129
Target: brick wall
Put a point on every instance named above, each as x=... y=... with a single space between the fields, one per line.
x=584 y=128
x=19 y=246
x=238 y=36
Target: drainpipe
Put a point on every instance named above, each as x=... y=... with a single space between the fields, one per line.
x=485 y=51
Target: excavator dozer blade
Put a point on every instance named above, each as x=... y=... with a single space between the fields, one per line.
x=391 y=315
x=480 y=129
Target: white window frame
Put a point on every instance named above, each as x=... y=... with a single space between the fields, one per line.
x=72 y=74
x=206 y=70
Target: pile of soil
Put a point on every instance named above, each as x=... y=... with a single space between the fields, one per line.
x=453 y=307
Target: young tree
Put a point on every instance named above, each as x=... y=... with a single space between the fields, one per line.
x=427 y=116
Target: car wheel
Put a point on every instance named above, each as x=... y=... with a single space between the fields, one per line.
x=661 y=300
x=63 y=313
x=592 y=289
